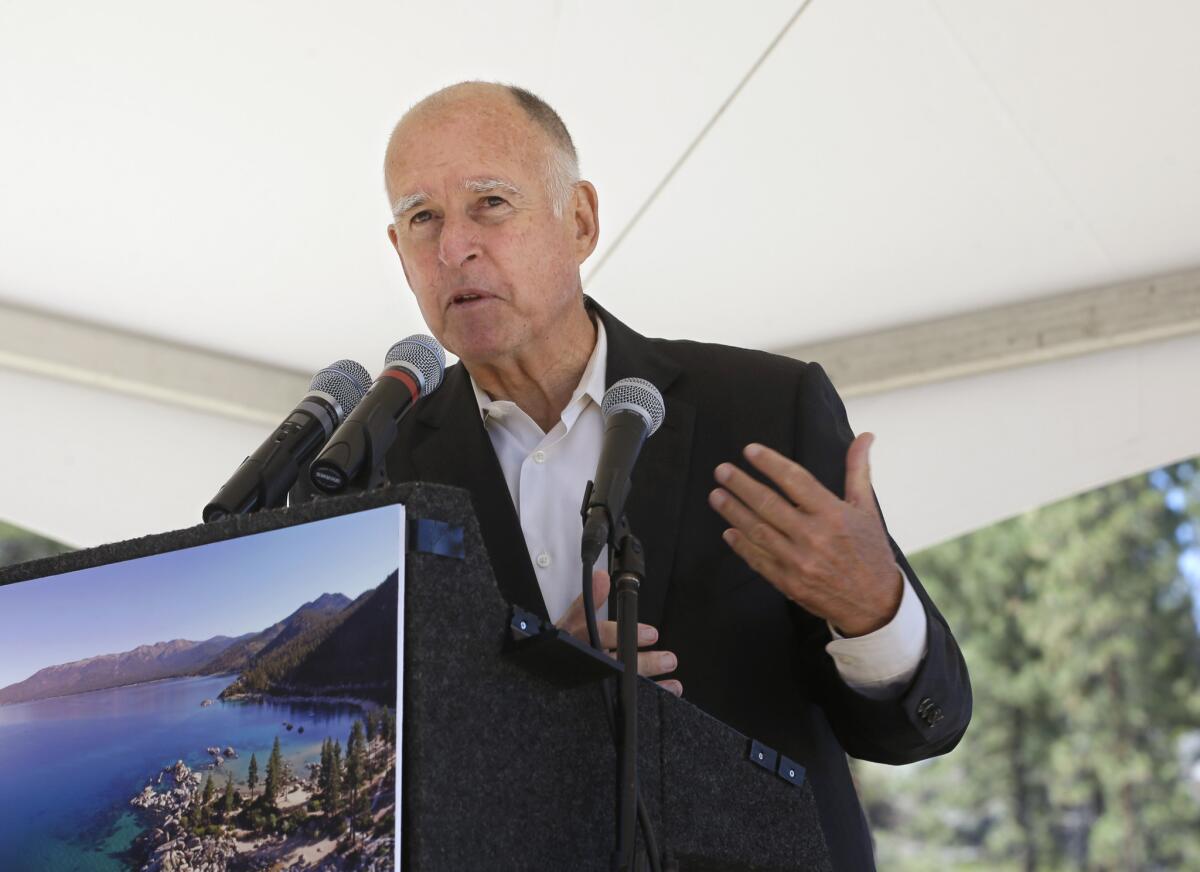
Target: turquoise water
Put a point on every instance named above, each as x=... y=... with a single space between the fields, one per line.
x=69 y=766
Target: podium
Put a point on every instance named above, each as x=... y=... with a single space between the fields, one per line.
x=504 y=764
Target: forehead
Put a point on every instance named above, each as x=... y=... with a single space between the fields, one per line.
x=448 y=144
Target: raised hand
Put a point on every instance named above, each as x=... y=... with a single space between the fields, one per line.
x=829 y=555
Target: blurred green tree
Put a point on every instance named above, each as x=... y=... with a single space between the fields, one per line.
x=18 y=545
x=1079 y=629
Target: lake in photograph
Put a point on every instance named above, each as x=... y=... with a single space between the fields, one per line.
x=70 y=765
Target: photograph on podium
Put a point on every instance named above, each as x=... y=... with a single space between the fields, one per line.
x=226 y=705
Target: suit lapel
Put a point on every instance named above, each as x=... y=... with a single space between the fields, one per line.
x=454 y=448
x=655 y=502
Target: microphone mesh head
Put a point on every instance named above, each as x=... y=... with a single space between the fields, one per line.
x=355 y=371
x=347 y=381
x=425 y=355
x=635 y=395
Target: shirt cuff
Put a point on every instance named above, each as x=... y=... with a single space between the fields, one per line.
x=880 y=665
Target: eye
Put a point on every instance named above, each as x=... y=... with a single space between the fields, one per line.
x=494 y=201
x=421 y=217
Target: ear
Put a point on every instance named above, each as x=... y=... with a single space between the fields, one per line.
x=586 y=213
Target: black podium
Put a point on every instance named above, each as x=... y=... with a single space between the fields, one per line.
x=506 y=764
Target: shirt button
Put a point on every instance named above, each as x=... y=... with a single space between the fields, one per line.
x=539 y=456
x=543 y=560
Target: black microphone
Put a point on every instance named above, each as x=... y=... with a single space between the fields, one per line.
x=413 y=368
x=264 y=478
x=633 y=410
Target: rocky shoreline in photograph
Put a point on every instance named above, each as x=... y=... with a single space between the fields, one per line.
x=338 y=816
x=167 y=846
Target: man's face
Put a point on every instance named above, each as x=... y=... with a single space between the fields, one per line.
x=492 y=267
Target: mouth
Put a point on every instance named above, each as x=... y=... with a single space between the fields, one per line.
x=468 y=298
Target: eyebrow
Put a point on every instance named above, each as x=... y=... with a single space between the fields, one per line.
x=480 y=185
x=489 y=185
x=409 y=202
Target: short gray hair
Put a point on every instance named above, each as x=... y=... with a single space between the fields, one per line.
x=562 y=170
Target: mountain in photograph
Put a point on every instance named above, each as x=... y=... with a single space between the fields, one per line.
x=351 y=653
x=238 y=656
x=143 y=663
x=177 y=658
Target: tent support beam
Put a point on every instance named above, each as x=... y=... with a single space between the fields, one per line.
x=1018 y=334
x=83 y=353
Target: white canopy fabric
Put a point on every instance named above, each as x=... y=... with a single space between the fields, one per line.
x=768 y=177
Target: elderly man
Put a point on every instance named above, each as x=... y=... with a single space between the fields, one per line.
x=784 y=611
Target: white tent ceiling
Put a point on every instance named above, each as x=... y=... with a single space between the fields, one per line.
x=211 y=175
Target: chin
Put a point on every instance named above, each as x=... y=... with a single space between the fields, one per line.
x=478 y=346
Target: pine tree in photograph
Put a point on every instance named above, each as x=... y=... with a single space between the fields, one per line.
x=355 y=760
x=389 y=726
x=274 y=781
x=227 y=801
x=360 y=814
x=372 y=721
x=252 y=778
x=323 y=773
x=206 y=799
x=335 y=779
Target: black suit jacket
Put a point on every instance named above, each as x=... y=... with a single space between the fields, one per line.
x=747 y=655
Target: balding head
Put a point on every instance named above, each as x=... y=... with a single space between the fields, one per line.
x=547 y=131
x=491 y=223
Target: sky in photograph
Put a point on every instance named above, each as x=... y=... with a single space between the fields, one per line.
x=224 y=589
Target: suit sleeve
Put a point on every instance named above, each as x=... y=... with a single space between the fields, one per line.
x=932 y=713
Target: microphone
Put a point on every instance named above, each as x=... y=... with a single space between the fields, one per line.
x=263 y=479
x=413 y=368
x=633 y=409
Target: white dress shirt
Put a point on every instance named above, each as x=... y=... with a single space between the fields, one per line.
x=546 y=474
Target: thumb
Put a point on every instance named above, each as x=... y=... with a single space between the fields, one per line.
x=573 y=619
x=600 y=587
x=858 y=473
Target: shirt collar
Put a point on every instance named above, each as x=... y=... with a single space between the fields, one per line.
x=590 y=387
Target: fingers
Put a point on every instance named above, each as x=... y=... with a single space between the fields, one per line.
x=650 y=663
x=763 y=559
x=647 y=635
x=754 y=529
x=858 y=474
x=672 y=686
x=805 y=495
x=744 y=499
x=797 y=483
x=600 y=588
x=573 y=619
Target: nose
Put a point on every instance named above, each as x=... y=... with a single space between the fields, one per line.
x=459 y=242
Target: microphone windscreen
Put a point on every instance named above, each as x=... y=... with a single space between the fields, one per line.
x=347 y=381
x=425 y=355
x=635 y=395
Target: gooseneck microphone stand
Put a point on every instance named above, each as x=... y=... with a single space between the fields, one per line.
x=627 y=570
x=626 y=564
